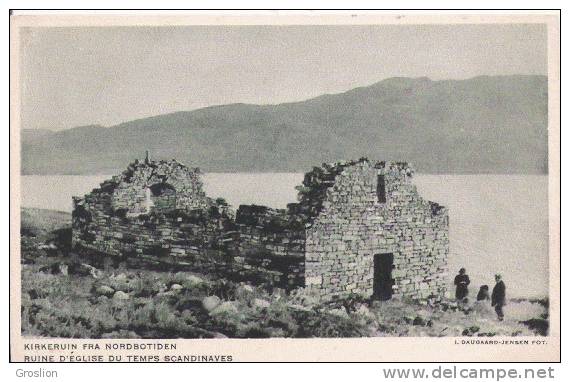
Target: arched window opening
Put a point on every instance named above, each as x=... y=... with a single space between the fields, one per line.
x=161 y=197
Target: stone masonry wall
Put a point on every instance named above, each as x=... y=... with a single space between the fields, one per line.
x=180 y=226
x=182 y=239
x=270 y=247
x=353 y=226
x=132 y=187
x=204 y=238
x=326 y=242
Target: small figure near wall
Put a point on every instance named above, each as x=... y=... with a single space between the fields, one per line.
x=462 y=281
x=483 y=294
x=498 y=296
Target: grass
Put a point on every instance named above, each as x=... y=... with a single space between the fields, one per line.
x=170 y=305
x=58 y=300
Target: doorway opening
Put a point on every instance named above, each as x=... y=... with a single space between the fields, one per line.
x=383 y=282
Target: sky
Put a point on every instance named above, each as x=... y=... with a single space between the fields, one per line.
x=76 y=76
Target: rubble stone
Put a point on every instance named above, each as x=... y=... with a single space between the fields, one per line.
x=120 y=295
x=105 y=290
x=210 y=303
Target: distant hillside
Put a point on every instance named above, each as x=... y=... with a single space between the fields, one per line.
x=40 y=222
x=494 y=124
x=31 y=134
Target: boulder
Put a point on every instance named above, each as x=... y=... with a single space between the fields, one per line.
x=245 y=293
x=226 y=307
x=120 y=295
x=81 y=269
x=373 y=328
x=364 y=311
x=120 y=277
x=120 y=334
x=340 y=312
x=47 y=246
x=277 y=332
x=176 y=287
x=245 y=288
x=160 y=287
x=279 y=293
x=297 y=307
x=63 y=269
x=210 y=303
x=194 y=280
x=105 y=290
x=56 y=269
x=260 y=303
x=91 y=270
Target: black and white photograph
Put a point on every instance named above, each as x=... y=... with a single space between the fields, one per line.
x=281 y=180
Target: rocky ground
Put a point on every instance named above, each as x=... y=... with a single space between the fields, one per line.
x=64 y=295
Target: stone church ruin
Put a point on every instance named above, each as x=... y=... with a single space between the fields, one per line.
x=358 y=228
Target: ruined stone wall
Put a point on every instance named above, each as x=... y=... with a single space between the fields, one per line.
x=327 y=241
x=271 y=247
x=154 y=212
x=132 y=187
x=179 y=238
x=353 y=225
x=206 y=240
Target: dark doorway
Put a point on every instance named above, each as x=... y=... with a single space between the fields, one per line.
x=383 y=264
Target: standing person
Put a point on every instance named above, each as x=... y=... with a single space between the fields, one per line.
x=462 y=281
x=483 y=294
x=498 y=297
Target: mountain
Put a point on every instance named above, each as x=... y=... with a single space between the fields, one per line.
x=487 y=124
x=32 y=134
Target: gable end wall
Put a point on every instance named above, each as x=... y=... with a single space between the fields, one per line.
x=353 y=226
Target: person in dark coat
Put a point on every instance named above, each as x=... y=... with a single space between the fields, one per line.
x=498 y=297
x=483 y=294
x=462 y=281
